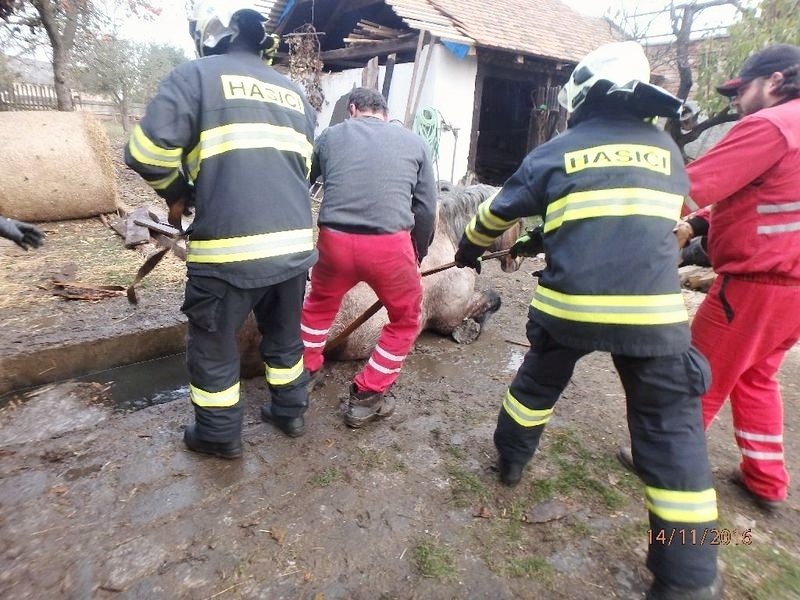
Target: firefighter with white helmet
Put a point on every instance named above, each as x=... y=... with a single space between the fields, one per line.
x=213 y=28
x=609 y=191
x=232 y=137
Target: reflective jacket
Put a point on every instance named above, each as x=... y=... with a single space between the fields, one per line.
x=752 y=176
x=609 y=190
x=243 y=135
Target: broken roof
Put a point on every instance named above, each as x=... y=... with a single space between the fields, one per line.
x=542 y=28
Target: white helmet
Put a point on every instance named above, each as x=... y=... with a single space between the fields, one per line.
x=619 y=63
x=210 y=23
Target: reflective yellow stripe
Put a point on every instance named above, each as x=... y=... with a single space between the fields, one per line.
x=277 y=376
x=487 y=221
x=491 y=220
x=474 y=236
x=147 y=153
x=524 y=415
x=223 y=399
x=615 y=202
x=162 y=184
x=246 y=136
x=250 y=247
x=653 y=309
x=682 y=507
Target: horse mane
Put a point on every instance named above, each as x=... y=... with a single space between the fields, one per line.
x=457 y=205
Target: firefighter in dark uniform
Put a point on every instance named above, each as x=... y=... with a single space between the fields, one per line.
x=232 y=137
x=609 y=191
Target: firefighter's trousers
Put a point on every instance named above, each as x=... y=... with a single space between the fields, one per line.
x=667 y=439
x=388 y=264
x=745 y=328
x=216 y=311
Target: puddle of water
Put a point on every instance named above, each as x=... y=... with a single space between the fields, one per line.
x=137 y=386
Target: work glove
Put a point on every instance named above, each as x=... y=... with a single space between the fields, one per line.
x=23 y=234
x=468 y=255
x=529 y=244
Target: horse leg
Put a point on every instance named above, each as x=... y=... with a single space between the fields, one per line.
x=482 y=305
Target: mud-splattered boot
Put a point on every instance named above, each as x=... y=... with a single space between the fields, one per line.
x=364 y=406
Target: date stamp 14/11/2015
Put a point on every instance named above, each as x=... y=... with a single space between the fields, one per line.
x=700 y=537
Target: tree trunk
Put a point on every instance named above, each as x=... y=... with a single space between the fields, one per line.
x=123 y=113
x=61 y=43
x=63 y=91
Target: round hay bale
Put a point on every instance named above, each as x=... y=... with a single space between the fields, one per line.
x=54 y=166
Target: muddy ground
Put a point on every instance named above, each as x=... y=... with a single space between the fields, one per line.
x=97 y=502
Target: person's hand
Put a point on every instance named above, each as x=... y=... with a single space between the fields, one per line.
x=176 y=211
x=529 y=244
x=468 y=255
x=683 y=233
x=25 y=235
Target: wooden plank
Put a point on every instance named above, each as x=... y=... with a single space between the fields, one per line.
x=367 y=50
x=415 y=104
x=412 y=85
x=387 y=78
x=369 y=75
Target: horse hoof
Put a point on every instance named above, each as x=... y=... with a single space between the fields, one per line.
x=467 y=332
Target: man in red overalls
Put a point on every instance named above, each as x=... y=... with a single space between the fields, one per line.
x=751 y=315
x=375 y=225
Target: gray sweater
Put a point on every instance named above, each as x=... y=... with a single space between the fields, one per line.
x=378 y=179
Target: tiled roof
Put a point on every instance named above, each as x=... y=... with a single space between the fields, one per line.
x=546 y=28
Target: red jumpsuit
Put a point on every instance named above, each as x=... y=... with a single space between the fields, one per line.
x=751 y=315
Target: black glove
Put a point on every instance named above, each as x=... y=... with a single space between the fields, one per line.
x=23 y=234
x=468 y=255
x=529 y=244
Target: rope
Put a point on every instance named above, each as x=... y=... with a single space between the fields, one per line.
x=427 y=124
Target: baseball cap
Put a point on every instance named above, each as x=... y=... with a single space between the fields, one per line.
x=762 y=64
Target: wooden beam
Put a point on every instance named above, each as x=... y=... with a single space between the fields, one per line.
x=420 y=43
x=367 y=50
x=387 y=78
x=431 y=45
x=369 y=74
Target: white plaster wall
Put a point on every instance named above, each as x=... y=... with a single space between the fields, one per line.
x=449 y=87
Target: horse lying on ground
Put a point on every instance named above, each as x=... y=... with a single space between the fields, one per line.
x=450 y=303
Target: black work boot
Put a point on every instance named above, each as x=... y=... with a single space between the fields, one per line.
x=625 y=457
x=365 y=406
x=221 y=449
x=662 y=591
x=510 y=472
x=291 y=426
x=769 y=506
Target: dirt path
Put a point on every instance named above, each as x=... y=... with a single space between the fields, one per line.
x=100 y=504
x=96 y=503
